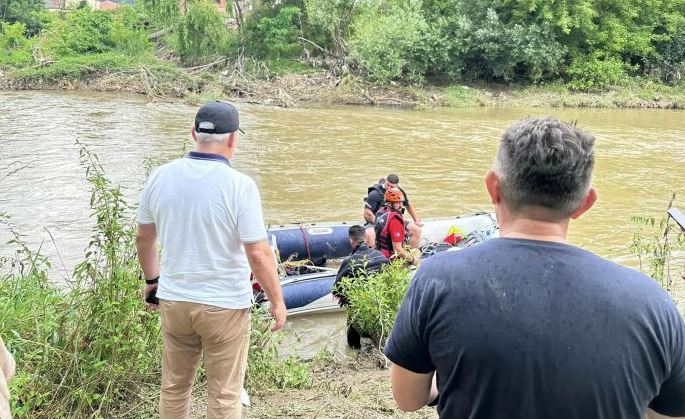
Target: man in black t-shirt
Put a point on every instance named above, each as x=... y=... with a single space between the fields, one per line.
x=363 y=261
x=529 y=326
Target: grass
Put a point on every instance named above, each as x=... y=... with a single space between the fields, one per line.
x=462 y=96
x=633 y=93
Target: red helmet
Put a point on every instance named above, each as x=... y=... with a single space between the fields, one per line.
x=393 y=195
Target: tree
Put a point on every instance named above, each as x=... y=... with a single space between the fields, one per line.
x=24 y=11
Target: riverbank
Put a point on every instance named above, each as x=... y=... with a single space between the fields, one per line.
x=355 y=387
x=302 y=86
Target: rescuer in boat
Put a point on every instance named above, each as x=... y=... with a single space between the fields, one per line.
x=375 y=201
x=364 y=260
x=390 y=228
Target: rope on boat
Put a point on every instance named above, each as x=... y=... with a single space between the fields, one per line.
x=306 y=241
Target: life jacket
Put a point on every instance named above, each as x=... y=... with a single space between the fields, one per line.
x=377 y=187
x=383 y=239
x=381 y=190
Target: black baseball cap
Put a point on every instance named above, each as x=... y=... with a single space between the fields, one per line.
x=217 y=118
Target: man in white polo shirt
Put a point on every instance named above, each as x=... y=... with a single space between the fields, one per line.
x=207 y=218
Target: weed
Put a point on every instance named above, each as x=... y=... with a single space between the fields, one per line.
x=653 y=247
x=375 y=299
x=265 y=370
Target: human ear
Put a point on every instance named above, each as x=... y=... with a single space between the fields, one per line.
x=588 y=202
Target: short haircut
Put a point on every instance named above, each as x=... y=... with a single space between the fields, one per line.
x=545 y=163
x=356 y=233
x=393 y=178
x=206 y=138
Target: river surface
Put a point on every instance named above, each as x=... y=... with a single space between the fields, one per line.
x=315 y=164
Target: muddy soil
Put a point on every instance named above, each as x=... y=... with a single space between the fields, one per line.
x=357 y=387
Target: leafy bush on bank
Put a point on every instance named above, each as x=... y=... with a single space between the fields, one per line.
x=503 y=41
x=375 y=299
x=201 y=33
x=27 y=12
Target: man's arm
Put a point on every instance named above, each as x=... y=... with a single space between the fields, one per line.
x=262 y=263
x=148 y=256
x=373 y=202
x=397 y=234
x=412 y=391
x=402 y=252
x=414 y=216
x=368 y=215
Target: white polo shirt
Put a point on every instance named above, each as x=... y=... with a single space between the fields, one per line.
x=203 y=211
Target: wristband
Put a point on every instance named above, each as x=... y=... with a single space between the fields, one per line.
x=152 y=281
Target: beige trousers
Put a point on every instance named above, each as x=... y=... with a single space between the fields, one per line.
x=6 y=373
x=222 y=337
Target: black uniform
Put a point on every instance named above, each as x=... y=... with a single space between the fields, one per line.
x=362 y=259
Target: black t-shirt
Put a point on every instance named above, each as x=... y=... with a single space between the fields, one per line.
x=527 y=329
x=376 y=201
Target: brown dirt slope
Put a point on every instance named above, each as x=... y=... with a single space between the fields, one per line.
x=356 y=388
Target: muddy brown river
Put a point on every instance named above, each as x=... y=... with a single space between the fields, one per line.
x=315 y=165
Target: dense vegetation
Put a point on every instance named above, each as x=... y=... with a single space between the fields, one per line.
x=584 y=44
x=88 y=348
x=375 y=299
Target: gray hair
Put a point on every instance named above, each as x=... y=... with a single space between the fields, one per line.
x=206 y=138
x=545 y=163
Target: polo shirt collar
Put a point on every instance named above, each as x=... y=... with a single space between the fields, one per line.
x=196 y=155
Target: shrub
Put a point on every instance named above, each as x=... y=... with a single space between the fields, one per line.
x=14 y=47
x=274 y=32
x=23 y=11
x=375 y=299
x=594 y=72
x=387 y=40
x=329 y=22
x=280 y=32
x=84 y=351
x=669 y=66
x=87 y=31
x=201 y=33
x=264 y=368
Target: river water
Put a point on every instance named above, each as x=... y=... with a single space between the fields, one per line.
x=315 y=164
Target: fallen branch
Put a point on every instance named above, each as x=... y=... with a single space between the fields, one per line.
x=320 y=48
x=156 y=35
x=201 y=67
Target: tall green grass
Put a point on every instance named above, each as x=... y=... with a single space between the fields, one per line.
x=655 y=240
